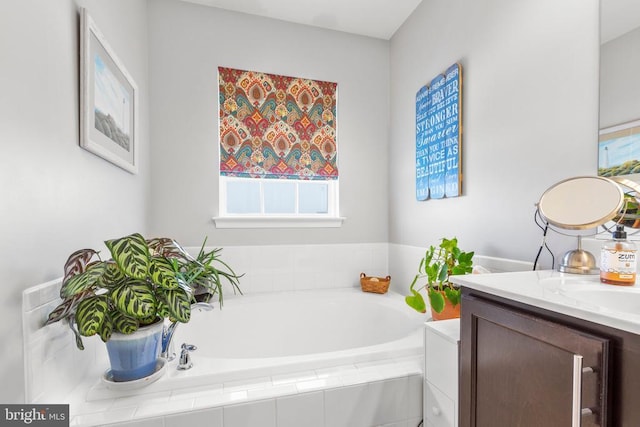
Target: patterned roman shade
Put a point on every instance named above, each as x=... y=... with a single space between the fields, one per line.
x=275 y=126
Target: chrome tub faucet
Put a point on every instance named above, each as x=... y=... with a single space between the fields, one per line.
x=168 y=352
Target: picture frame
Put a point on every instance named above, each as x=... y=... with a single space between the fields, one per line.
x=619 y=150
x=108 y=100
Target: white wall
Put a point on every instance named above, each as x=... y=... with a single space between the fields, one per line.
x=187 y=45
x=619 y=83
x=530 y=116
x=57 y=197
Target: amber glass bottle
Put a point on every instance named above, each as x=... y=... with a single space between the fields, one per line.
x=618 y=260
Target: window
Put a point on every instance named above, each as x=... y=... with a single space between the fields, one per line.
x=278 y=152
x=268 y=197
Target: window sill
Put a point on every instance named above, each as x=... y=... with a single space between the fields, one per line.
x=278 y=222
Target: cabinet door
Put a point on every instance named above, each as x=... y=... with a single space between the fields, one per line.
x=518 y=370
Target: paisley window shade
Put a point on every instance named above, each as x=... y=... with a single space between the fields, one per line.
x=274 y=126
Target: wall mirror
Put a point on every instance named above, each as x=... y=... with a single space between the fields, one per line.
x=619 y=88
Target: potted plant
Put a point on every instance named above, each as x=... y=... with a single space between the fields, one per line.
x=436 y=267
x=126 y=298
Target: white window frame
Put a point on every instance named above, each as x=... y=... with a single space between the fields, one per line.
x=330 y=219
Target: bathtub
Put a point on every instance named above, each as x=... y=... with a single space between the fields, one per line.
x=281 y=345
x=267 y=334
x=275 y=333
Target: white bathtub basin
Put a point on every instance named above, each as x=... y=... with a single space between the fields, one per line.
x=282 y=333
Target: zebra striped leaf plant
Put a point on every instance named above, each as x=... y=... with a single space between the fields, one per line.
x=144 y=281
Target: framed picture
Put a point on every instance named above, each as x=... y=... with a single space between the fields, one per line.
x=108 y=100
x=439 y=136
x=619 y=150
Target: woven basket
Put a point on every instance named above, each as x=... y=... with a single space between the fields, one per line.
x=378 y=285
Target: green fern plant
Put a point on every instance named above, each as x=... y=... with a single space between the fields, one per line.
x=436 y=266
x=143 y=282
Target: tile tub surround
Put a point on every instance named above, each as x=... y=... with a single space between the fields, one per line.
x=53 y=364
x=298 y=267
x=57 y=372
x=385 y=393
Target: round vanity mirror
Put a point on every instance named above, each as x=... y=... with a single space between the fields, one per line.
x=581 y=202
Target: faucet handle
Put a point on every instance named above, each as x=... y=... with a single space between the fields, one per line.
x=188 y=347
x=185 y=357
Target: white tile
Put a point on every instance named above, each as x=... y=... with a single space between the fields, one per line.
x=348 y=407
x=390 y=400
x=92 y=407
x=336 y=371
x=305 y=409
x=283 y=281
x=194 y=392
x=119 y=415
x=376 y=364
x=273 y=392
x=341 y=261
x=414 y=396
x=380 y=260
x=215 y=400
x=264 y=283
x=412 y=365
x=266 y=257
x=361 y=258
x=149 y=422
x=254 y=414
x=319 y=384
x=397 y=424
x=305 y=259
x=355 y=378
x=59 y=343
x=245 y=385
x=41 y=294
x=158 y=397
x=329 y=279
x=146 y=410
x=383 y=371
x=52 y=376
x=209 y=418
x=293 y=377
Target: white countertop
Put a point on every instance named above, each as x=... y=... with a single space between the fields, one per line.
x=580 y=296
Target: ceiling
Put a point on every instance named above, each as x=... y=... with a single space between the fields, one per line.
x=373 y=18
x=381 y=18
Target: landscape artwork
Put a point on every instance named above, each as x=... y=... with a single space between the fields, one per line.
x=108 y=101
x=112 y=106
x=619 y=150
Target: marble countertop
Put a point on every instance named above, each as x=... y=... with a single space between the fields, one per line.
x=580 y=296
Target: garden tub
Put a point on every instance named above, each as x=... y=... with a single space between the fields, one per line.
x=279 y=333
x=325 y=348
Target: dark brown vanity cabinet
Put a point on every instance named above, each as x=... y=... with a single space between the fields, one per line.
x=521 y=366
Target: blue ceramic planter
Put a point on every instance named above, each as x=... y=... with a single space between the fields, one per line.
x=135 y=356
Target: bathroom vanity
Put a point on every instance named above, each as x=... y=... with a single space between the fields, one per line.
x=542 y=348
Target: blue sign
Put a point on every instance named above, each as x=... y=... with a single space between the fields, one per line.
x=422 y=158
x=438 y=137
